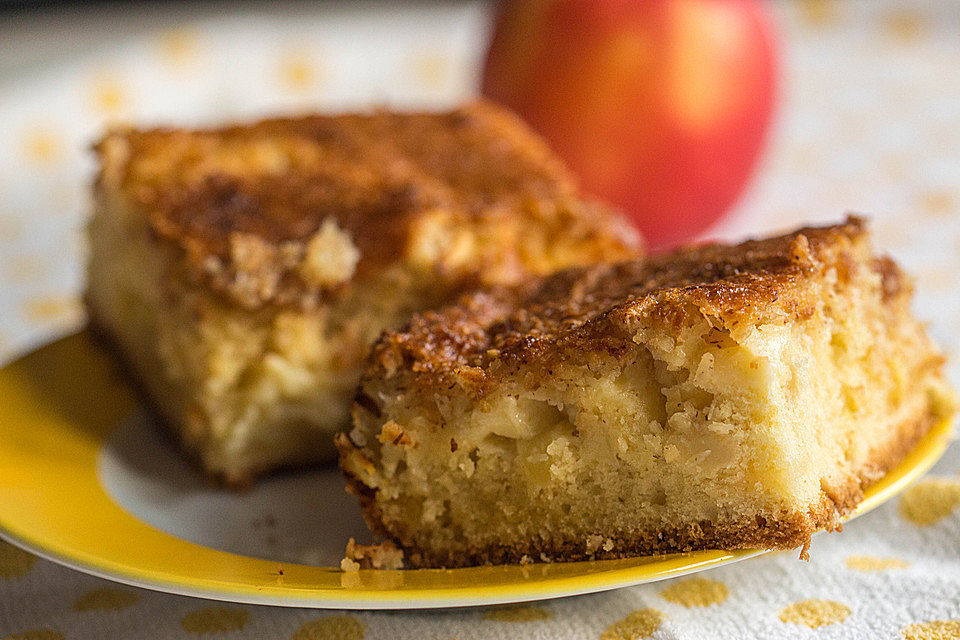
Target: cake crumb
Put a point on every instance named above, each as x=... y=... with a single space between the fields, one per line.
x=385 y=555
x=331 y=257
x=393 y=433
x=593 y=543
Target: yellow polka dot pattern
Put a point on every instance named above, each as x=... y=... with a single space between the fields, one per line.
x=331 y=628
x=818 y=13
x=429 y=69
x=54 y=308
x=870 y=563
x=815 y=613
x=215 y=620
x=936 y=204
x=106 y=599
x=930 y=500
x=14 y=562
x=298 y=71
x=179 y=47
x=696 y=592
x=936 y=630
x=640 y=623
x=524 y=613
x=903 y=25
x=42 y=147
x=108 y=96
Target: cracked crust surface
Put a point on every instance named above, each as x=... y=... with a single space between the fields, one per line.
x=248 y=204
x=585 y=310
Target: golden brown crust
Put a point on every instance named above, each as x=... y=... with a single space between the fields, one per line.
x=790 y=532
x=244 y=202
x=590 y=309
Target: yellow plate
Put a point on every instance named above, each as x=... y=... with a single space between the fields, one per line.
x=62 y=407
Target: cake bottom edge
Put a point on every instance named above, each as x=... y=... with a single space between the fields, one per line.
x=790 y=531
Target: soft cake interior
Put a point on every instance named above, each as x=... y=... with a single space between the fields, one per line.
x=246 y=389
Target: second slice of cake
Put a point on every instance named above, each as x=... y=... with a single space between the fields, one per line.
x=714 y=397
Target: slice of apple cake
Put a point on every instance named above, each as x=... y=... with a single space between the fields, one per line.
x=713 y=397
x=243 y=272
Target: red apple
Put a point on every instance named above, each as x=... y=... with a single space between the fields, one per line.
x=660 y=106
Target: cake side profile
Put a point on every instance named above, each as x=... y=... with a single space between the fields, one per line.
x=243 y=272
x=713 y=397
